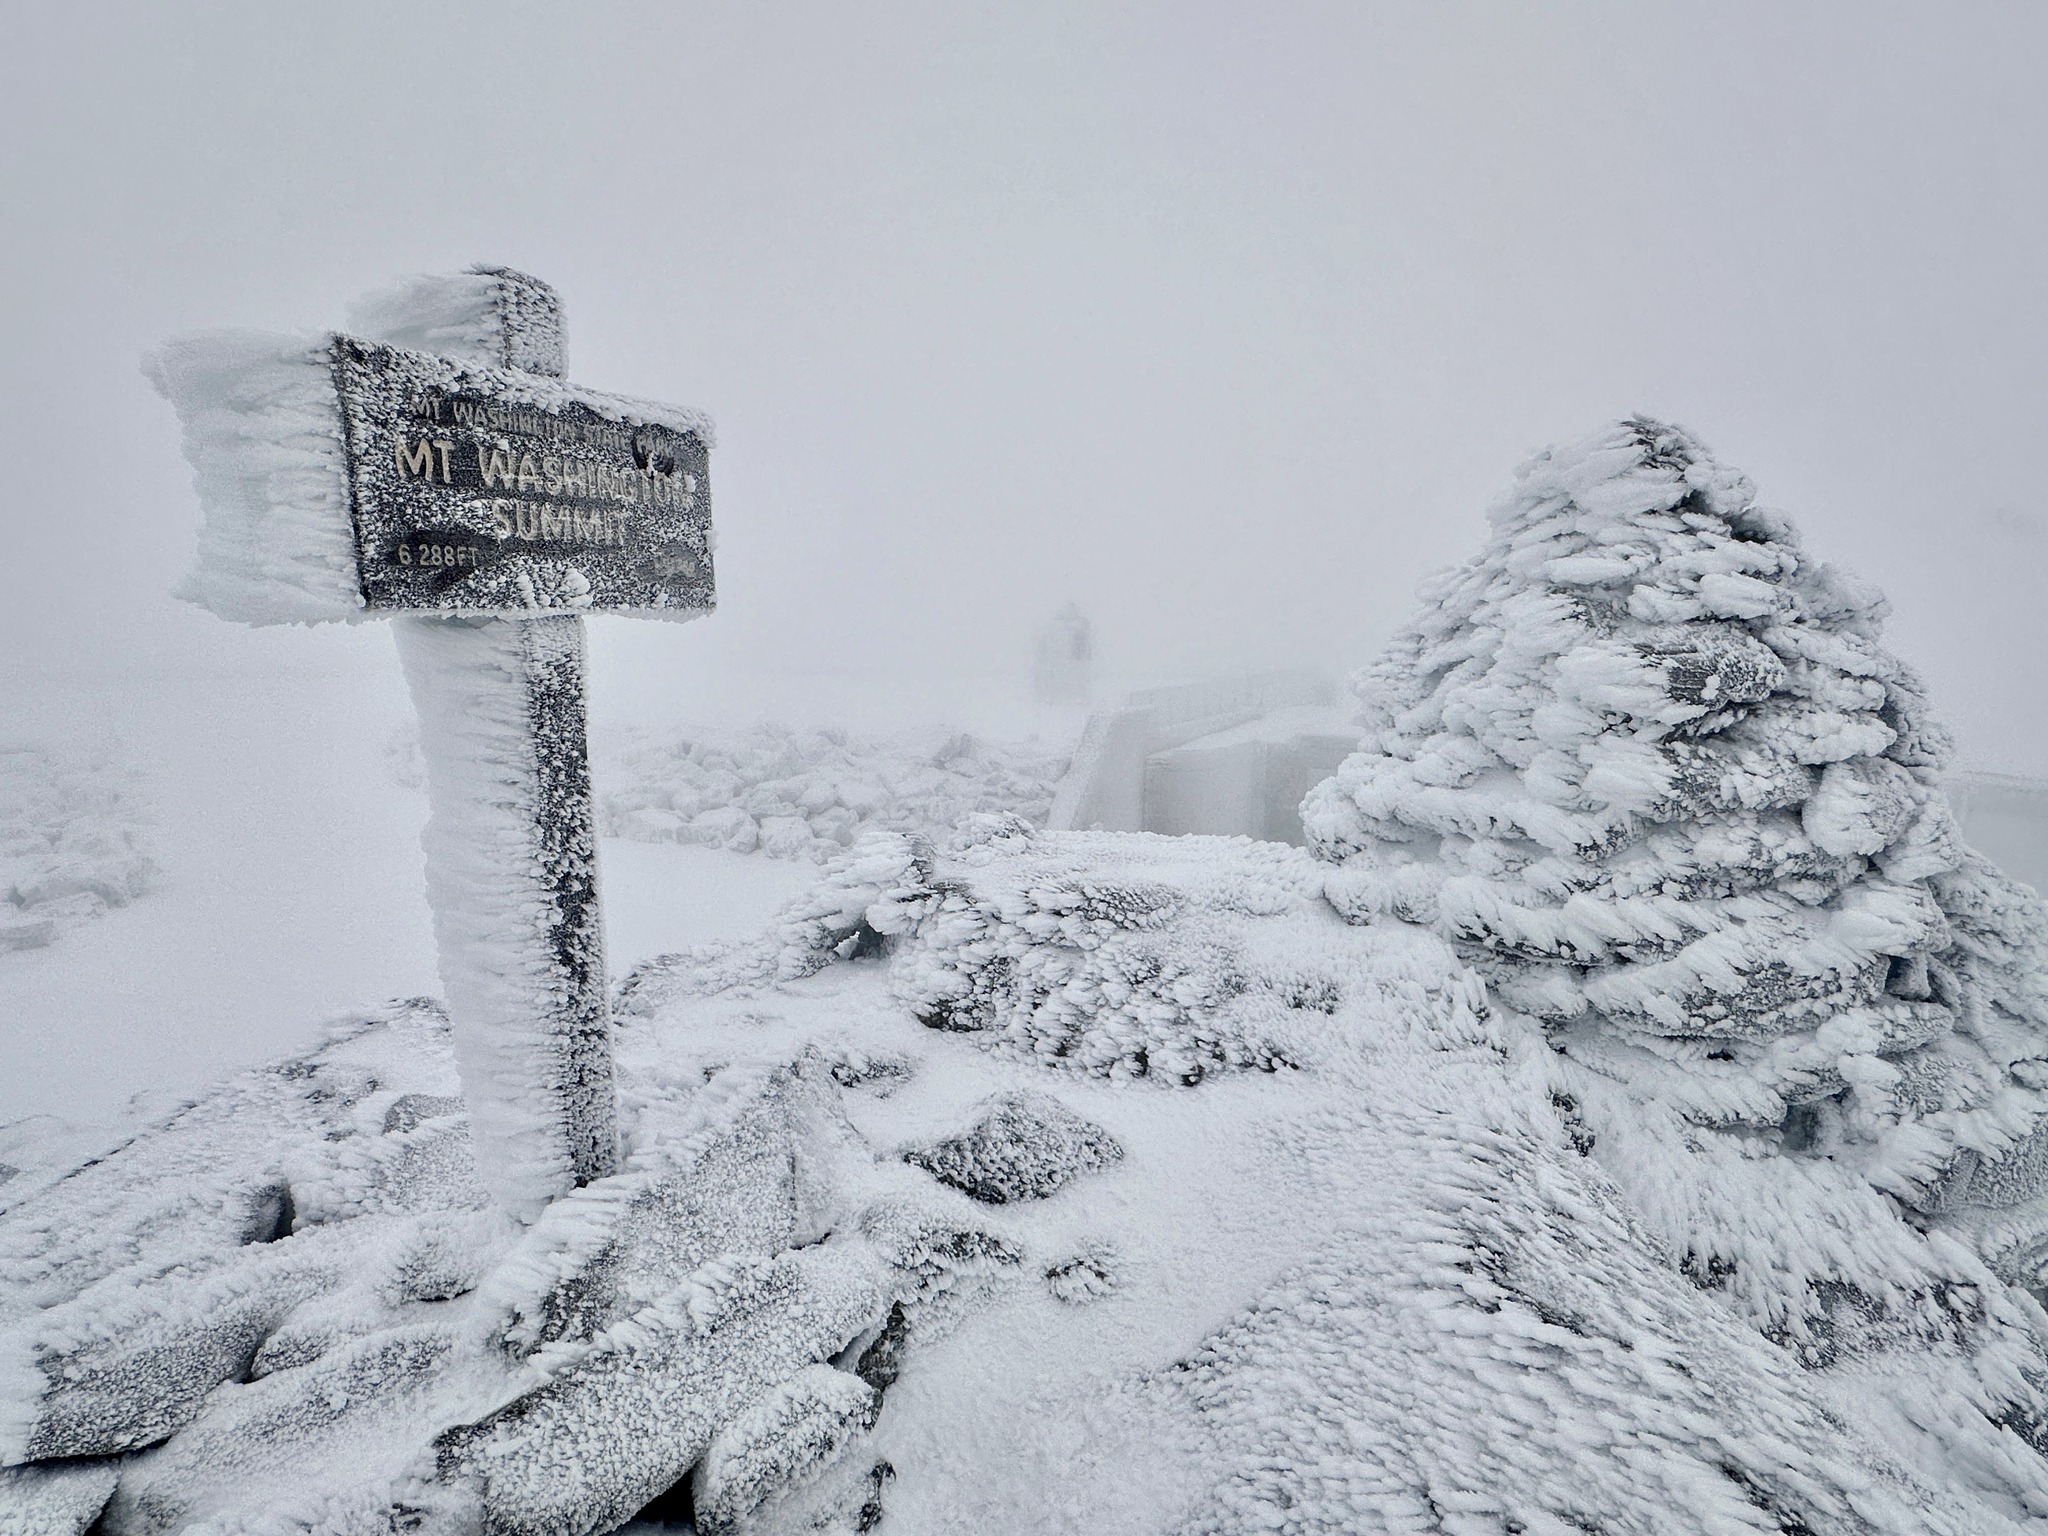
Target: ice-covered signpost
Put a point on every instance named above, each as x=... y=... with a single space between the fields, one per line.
x=433 y=468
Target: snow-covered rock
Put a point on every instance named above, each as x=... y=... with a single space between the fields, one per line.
x=812 y=794
x=1646 y=765
x=1024 y=1147
x=1118 y=955
x=1381 y=1281
x=59 y=1499
x=290 y=1306
x=801 y=1426
x=74 y=841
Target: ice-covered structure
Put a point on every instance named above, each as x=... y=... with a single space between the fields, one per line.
x=1646 y=765
x=1230 y=756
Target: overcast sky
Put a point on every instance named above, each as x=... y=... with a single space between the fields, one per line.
x=1223 y=321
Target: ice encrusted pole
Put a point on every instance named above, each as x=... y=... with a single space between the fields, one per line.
x=511 y=839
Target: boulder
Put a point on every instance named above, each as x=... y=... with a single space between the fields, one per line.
x=1025 y=1146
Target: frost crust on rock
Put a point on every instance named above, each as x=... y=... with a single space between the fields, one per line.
x=1121 y=956
x=1025 y=1147
x=290 y=1307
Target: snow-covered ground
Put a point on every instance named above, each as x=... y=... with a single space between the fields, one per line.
x=260 y=829
x=286 y=885
x=661 y=897
x=1199 y=1211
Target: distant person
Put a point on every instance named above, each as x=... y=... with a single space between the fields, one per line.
x=1066 y=654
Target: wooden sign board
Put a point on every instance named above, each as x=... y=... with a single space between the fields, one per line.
x=484 y=505
x=491 y=490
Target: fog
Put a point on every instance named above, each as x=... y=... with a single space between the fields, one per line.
x=1225 y=322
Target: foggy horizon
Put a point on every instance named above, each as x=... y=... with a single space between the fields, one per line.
x=1226 y=327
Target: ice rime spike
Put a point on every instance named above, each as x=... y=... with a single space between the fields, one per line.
x=531 y=336
x=262 y=431
x=488 y=315
x=495 y=316
x=512 y=880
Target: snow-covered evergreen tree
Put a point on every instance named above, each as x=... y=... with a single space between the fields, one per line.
x=1648 y=766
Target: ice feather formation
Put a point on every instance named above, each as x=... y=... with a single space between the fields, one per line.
x=1647 y=766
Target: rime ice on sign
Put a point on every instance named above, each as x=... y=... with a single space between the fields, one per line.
x=488 y=490
x=436 y=469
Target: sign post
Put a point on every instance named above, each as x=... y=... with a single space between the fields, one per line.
x=437 y=470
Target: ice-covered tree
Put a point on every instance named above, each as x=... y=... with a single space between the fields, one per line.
x=1649 y=767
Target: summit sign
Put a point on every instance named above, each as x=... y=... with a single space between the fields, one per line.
x=434 y=467
x=496 y=490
